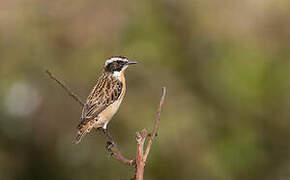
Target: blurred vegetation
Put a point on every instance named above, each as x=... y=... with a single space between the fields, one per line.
x=225 y=64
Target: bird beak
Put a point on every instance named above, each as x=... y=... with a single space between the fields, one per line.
x=131 y=62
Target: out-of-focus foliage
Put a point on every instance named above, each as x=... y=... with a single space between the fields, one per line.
x=225 y=64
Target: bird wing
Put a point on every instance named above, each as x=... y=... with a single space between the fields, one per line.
x=105 y=93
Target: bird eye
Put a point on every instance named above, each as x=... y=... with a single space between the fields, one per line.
x=119 y=62
x=115 y=66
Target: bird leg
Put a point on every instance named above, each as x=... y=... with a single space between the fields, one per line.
x=110 y=142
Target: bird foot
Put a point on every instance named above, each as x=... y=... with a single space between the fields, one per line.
x=110 y=145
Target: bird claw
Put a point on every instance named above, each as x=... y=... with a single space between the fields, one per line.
x=110 y=145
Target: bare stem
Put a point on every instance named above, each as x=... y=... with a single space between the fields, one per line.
x=116 y=152
x=141 y=156
x=156 y=124
x=70 y=93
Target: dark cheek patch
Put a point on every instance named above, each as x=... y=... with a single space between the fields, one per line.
x=119 y=66
x=115 y=66
x=111 y=67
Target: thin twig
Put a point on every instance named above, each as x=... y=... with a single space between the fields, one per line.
x=141 y=156
x=116 y=152
x=156 y=124
x=70 y=93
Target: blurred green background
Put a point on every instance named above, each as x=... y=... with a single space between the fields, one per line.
x=225 y=64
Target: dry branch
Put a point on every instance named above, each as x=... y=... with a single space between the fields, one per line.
x=115 y=151
x=156 y=124
x=141 y=156
x=70 y=93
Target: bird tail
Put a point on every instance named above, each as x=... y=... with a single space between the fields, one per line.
x=81 y=133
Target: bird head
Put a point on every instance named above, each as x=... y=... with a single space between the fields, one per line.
x=117 y=64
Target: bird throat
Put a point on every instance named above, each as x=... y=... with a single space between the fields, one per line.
x=120 y=74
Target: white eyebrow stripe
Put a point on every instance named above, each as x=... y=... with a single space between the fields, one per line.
x=114 y=59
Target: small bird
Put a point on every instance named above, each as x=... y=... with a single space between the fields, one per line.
x=105 y=98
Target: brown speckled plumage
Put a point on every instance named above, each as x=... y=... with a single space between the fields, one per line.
x=99 y=99
x=105 y=98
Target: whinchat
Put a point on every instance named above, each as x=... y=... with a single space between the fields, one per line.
x=105 y=98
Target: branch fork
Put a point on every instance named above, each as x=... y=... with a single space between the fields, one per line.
x=142 y=151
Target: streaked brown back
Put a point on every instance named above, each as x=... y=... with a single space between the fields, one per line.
x=105 y=93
